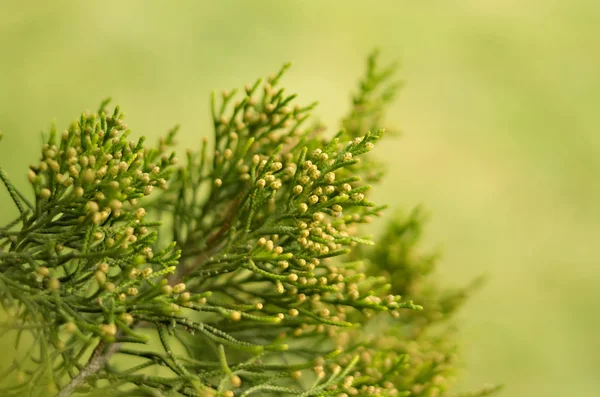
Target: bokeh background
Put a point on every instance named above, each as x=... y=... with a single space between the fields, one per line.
x=499 y=118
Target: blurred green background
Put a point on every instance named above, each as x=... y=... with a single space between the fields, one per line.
x=500 y=133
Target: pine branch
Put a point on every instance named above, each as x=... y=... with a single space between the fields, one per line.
x=260 y=274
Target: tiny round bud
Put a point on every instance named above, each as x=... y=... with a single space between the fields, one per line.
x=329 y=177
x=185 y=297
x=298 y=189
x=43 y=271
x=133 y=273
x=236 y=381
x=303 y=207
x=283 y=264
x=126 y=318
x=235 y=315
x=116 y=204
x=108 y=329
x=140 y=213
x=179 y=288
x=279 y=287
x=70 y=327
x=218 y=182
x=45 y=193
x=269 y=245
x=92 y=207
x=53 y=284
x=148 y=252
x=100 y=277
x=31 y=176
x=132 y=291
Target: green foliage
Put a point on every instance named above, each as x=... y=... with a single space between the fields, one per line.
x=241 y=272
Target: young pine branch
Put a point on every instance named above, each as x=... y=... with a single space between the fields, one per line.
x=241 y=272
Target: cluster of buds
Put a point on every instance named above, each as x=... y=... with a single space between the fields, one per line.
x=260 y=121
x=91 y=178
x=390 y=364
x=94 y=165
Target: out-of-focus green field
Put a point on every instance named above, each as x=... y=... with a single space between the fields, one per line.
x=501 y=138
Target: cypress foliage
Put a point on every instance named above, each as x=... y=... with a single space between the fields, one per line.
x=240 y=270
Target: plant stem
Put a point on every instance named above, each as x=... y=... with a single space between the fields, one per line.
x=99 y=358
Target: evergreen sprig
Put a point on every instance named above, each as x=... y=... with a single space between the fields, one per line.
x=241 y=272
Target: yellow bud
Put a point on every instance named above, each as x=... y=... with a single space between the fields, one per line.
x=100 y=277
x=108 y=329
x=132 y=291
x=184 y=297
x=43 y=271
x=45 y=193
x=53 y=284
x=126 y=318
x=70 y=327
x=179 y=288
x=236 y=381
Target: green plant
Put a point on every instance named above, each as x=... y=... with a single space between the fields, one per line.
x=241 y=272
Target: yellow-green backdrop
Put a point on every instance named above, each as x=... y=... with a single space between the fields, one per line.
x=501 y=139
